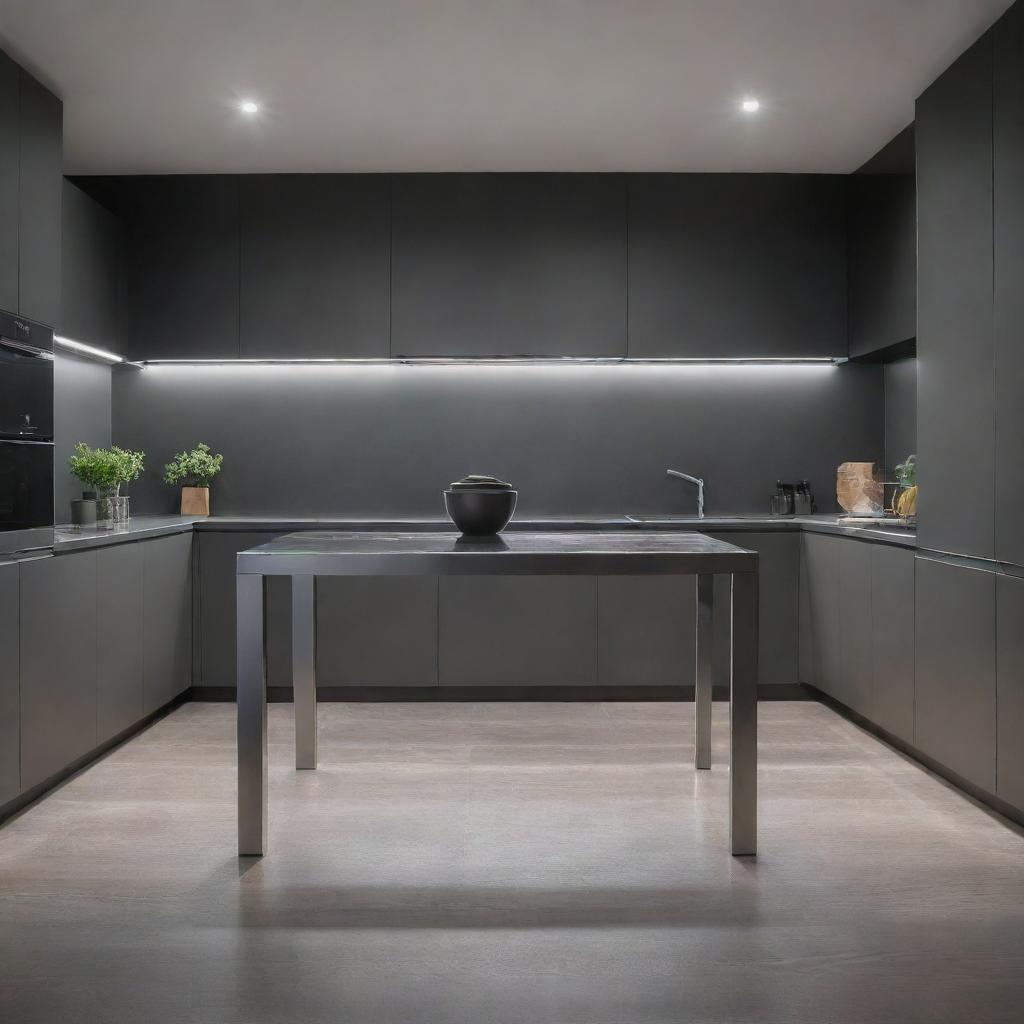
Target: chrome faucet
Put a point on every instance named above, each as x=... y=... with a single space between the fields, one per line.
x=693 y=480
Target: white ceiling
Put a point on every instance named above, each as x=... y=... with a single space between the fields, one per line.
x=372 y=85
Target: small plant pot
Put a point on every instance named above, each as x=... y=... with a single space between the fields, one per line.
x=195 y=501
x=83 y=512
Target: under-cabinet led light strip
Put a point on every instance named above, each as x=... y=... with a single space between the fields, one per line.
x=513 y=361
x=88 y=350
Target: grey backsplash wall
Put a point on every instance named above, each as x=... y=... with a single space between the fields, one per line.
x=900 y=410
x=575 y=439
x=81 y=410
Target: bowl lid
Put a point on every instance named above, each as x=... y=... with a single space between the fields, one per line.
x=479 y=482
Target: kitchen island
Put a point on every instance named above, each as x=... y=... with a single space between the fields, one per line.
x=305 y=556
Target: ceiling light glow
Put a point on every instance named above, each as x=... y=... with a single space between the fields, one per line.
x=249 y=107
x=750 y=105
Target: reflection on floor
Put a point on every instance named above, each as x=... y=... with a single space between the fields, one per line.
x=510 y=863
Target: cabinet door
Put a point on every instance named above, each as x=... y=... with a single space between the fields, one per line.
x=855 y=652
x=823 y=569
x=315 y=262
x=955 y=707
x=10 y=684
x=517 y=630
x=646 y=630
x=508 y=264
x=1010 y=693
x=883 y=249
x=737 y=265
x=41 y=183
x=956 y=440
x=1008 y=206
x=90 y=271
x=377 y=631
x=58 y=663
x=181 y=238
x=167 y=624
x=892 y=640
x=217 y=557
x=777 y=604
x=120 y=639
x=9 y=174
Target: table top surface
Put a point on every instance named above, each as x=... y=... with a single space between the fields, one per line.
x=563 y=552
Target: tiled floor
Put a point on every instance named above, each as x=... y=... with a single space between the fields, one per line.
x=507 y=863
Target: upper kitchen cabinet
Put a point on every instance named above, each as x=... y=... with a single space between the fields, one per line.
x=9 y=173
x=181 y=243
x=31 y=168
x=41 y=182
x=508 y=265
x=882 y=253
x=728 y=265
x=315 y=257
x=90 y=271
x=956 y=436
x=1008 y=183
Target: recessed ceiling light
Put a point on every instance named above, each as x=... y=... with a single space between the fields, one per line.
x=249 y=107
x=750 y=105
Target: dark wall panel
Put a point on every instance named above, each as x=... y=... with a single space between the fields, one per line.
x=1010 y=689
x=575 y=439
x=737 y=265
x=900 y=381
x=956 y=438
x=314 y=265
x=1008 y=179
x=508 y=264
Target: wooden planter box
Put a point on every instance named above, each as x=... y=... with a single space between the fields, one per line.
x=195 y=501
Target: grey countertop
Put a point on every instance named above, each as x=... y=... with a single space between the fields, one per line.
x=142 y=527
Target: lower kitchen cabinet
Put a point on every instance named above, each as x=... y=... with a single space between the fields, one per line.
x=517 y=630
x=646 y=630
x=892 y=639
x=855 y=626
x=822 y=562
x=1010 y=689
x=167 y=619
x=376 y=631
x=955 y=712
x=217 y=556
x=10 y=683
x=119 y=647
x=58 y=663
x=778 y=608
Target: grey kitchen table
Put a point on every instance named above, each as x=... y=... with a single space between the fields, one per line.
x=304 y=556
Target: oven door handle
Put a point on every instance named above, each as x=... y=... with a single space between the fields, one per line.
x=24 y=440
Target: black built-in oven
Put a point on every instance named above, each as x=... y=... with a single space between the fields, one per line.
x=26 y=436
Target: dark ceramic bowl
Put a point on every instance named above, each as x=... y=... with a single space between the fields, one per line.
x=481 y=513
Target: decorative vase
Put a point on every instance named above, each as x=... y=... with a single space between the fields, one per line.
x=111 y=509
x=195 y=501
x=83 y=512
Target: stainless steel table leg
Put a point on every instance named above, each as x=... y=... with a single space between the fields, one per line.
x=304 y=668
x=252 y=717
x=702 y=695
x=743 y=717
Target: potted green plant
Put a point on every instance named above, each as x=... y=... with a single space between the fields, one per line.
x=103 y=471
x=194 y=470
